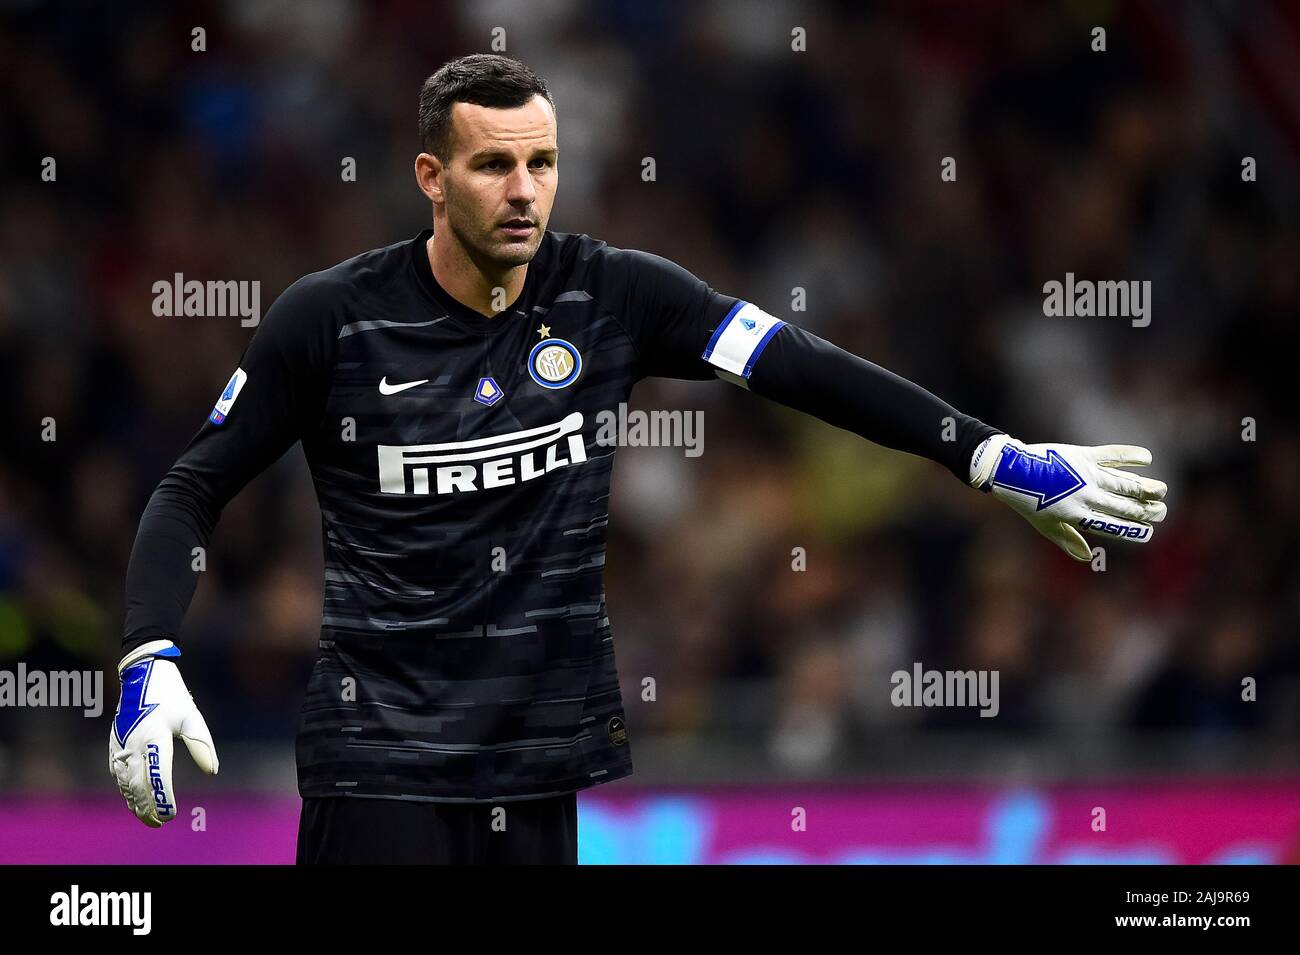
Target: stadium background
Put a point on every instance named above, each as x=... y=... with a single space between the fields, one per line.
x=775 y=169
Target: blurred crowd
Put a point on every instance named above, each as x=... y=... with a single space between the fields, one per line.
x=775 y=170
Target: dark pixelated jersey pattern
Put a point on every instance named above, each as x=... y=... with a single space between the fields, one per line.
x=466 y=650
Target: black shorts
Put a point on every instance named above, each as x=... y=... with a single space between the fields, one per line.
x=353 y=830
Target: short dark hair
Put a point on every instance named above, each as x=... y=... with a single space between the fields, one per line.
x=484 y=79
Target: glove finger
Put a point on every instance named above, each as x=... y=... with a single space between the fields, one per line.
x=198 y=740
x=159 y=796
x=129 y=774
x=1115 y=505
x=1121 y=455
x=1131 y=485
x=1067 y=538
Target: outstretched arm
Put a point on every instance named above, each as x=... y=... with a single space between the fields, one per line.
x=1061 y=489
x=682 y=328
x=809 y=374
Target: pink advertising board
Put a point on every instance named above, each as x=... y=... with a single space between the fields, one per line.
x=1195 y=823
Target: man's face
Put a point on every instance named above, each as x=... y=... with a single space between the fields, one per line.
x=499 y=184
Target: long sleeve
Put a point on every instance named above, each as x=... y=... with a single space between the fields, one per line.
x=275 y=396
x=802 y=371
x=668 y=312
x=683 y=328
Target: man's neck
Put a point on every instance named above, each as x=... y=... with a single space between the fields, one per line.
x=464 y=281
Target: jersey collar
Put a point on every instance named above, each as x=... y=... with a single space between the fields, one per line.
x=461 y=313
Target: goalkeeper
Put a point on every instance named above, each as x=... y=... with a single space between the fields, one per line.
x=445 y=391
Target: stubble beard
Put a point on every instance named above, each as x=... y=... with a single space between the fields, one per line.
x=485 y=248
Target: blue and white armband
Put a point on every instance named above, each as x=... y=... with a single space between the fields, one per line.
x=738 y=341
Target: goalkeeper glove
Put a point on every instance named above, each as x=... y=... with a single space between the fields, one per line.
x=154 y=707
x=1063 y=489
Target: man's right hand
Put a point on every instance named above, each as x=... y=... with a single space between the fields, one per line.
x=154 y=707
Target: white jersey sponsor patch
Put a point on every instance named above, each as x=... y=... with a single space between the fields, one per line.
x=482 y=463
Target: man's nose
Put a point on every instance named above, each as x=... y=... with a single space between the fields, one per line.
x=519 y=187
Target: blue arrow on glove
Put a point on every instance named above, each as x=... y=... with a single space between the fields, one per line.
x=1049 y=479
x=132 y=708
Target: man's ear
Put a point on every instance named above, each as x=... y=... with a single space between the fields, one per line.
x=428 y=169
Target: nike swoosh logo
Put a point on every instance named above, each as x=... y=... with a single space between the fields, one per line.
x=386 y=389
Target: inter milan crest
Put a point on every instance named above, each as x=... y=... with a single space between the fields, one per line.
x=488 y=391
x=554 y=363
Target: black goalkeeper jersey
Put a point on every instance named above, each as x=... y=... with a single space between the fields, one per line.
x=465 y=649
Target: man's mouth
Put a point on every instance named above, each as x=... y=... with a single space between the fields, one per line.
x=518 y=226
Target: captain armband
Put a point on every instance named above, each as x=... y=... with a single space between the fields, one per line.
x=738 y=341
